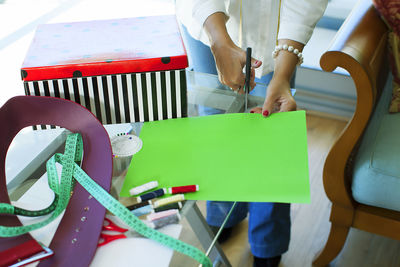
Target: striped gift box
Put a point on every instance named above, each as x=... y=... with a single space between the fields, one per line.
x=128 y=79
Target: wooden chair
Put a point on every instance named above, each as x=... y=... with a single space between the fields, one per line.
x=360 y=48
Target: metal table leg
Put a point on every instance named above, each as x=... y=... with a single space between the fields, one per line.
x=200 y=227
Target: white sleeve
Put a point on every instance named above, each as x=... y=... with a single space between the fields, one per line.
x=298 y=18
x=193 y=13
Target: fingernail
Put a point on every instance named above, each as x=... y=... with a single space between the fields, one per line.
x=256 y=62
x=251 y=111
x=265 y=113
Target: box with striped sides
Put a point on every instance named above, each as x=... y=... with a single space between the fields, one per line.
x=122 y=70
x=121 y=98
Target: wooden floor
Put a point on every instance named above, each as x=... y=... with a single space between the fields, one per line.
x=310 y=222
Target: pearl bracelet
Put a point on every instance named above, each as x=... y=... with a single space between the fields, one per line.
x=288 y=48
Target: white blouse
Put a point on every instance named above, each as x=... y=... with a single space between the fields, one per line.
x=259 y=22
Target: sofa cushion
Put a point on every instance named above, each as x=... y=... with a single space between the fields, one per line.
x=376 y=177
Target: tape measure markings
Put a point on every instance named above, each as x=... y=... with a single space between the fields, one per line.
x=63 y=189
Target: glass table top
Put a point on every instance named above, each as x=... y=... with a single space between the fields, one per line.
x=206 y=96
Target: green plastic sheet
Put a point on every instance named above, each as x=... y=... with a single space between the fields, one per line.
x=232 y=157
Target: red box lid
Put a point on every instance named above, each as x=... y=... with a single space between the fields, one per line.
x=103 y=47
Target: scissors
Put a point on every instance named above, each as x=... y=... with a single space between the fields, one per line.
x=108 y=225
x=247 y=79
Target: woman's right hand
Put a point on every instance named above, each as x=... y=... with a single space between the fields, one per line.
x=229 y=58
x=230 y=61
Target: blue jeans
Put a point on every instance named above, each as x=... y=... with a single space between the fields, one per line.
x=269 y=223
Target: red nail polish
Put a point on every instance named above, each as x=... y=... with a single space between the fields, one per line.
x=265 y=113
x=251 y=111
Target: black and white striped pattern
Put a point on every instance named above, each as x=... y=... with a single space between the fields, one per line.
x=121 y=98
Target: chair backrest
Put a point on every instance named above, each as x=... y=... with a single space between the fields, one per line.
x=24 y=111
x=360 y=48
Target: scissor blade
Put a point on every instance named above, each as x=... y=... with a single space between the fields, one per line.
x=247 y=79
x=245 y=101
x=132 y=233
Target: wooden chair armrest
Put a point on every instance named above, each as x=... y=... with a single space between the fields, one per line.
x=360 y=48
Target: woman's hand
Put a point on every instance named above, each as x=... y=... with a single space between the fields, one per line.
x=229 y=58
x=279 y=98
x=230 y=61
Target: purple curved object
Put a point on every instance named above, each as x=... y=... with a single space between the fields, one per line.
x=23 y=111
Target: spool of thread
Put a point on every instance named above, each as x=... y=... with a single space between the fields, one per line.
x=161 y=214
x=143 y=210
x=183 y=189
x=176 y=205
x=139 y=205
x=168 y=200
x=143 y=188
x=152 y=194
x=171 y=219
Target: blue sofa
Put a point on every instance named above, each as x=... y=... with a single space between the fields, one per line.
x=362 y=170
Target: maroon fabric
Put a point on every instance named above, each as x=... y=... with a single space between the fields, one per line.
x=75 y=241
x=390 y=11
x=22 y=251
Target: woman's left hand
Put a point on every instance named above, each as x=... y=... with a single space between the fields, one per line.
x=279 y=98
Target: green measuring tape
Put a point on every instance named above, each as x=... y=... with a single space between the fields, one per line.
x=9 y=209
x=71 y=172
